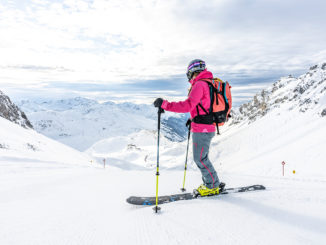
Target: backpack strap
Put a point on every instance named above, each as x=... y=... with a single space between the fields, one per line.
x=211 y=87
x=216 y=92
x=226 y=102
x=201 y=106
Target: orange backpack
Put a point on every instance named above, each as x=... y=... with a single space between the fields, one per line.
x=221 y=103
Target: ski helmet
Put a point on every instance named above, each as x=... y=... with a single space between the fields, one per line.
x=196 y=65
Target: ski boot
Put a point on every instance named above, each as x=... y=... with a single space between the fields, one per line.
x=221 y=187
x=203 y=190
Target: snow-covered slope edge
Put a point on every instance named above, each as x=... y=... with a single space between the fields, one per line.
x=26 y=146
x=259 y=148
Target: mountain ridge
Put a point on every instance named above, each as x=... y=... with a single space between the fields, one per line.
x=303 y=93
x=12 y=112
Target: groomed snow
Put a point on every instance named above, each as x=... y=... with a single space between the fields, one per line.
x=87 y=206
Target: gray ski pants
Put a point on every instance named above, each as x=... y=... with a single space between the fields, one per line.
x=201 y=143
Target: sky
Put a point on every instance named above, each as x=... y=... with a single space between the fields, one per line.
x=137 y=50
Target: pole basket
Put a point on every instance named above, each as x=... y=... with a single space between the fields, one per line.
x=157 y=209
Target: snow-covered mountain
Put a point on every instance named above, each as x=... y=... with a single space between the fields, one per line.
x=11 y=112
x=307 y=92
x=80 y=122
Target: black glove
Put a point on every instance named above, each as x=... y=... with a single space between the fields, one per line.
x=188 y=123
x=158 y=102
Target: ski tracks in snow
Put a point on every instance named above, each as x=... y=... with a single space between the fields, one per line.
x=87 y=206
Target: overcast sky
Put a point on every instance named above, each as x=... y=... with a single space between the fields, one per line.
x=131 y=49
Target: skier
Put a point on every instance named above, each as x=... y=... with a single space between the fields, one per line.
x=202 y=134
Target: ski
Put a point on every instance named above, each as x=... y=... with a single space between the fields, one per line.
x=149 y=201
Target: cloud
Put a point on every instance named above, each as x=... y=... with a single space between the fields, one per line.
x=143 y=41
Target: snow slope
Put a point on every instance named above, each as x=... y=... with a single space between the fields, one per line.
x=87 y=206
x=138 y=151
x=259 y=148
x=32 y=149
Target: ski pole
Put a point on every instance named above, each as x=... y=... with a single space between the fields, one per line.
x=159 y=112
x=184 y=176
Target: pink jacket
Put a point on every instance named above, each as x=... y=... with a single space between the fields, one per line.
x=199 y=93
